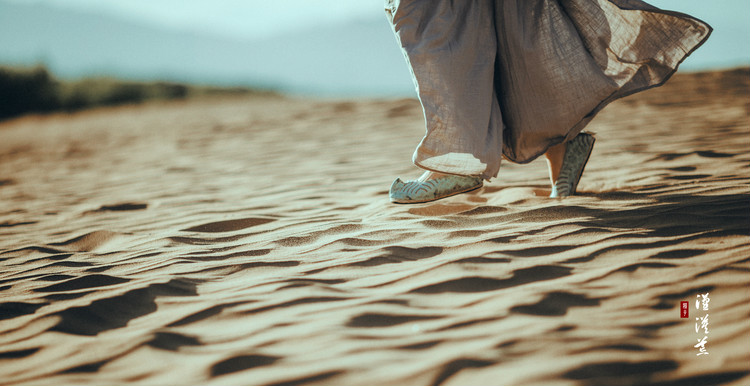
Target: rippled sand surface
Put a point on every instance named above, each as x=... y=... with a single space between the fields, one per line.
x=251 y=241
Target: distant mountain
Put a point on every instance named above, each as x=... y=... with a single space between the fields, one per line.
x=352 y=59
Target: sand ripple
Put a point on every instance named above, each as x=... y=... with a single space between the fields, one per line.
x=252 y=242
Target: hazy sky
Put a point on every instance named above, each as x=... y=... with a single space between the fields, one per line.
x=237 y=18
x=257 y=19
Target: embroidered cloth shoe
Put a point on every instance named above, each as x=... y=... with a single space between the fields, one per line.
x=417 y=191
x=574 y=161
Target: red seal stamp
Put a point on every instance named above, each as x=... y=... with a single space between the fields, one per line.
x=684 y=309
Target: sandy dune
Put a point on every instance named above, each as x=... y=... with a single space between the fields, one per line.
x=251 y=241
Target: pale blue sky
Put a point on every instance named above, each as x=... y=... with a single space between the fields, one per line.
x=235 y=18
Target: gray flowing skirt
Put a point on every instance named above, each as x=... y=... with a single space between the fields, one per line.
x=513 y=77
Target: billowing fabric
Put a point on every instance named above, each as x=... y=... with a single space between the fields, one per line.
x=514 y=77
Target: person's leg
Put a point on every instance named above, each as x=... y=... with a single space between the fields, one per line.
x=560 y=62
x=450 y=48
x=566 y=162
x=554 y=157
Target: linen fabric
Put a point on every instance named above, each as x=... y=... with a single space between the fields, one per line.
x=513 y=77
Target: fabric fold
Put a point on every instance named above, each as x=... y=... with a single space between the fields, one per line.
x=510 y=78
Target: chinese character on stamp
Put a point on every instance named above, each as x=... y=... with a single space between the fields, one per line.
x=684 y=311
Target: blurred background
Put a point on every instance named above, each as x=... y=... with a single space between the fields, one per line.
x=329 y=48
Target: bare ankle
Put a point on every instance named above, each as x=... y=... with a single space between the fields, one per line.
x=555 y=155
